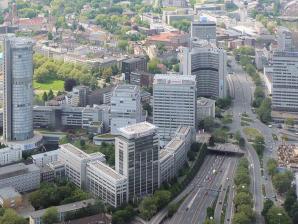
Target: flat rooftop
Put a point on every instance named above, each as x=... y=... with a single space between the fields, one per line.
x=75 y=151
x=174 y=144
x=205 y=102
x=9 y=192
x=101 y=167
x=16 y=169
x=174 y=79
x=183 y=130
x=137 y=130
x=125 y=87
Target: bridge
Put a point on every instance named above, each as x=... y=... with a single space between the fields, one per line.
x=226 y=148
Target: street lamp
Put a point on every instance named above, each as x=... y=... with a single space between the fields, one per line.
x=279 y=214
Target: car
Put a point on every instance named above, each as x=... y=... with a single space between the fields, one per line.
x=220 y=202
x=270 y=126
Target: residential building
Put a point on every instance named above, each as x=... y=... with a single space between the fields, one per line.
x=36 y=216
x=133 y=64
x=101 y=96
x=75 y=162
x=174 y=103
x=10 y=198
x=20 y=176
x=18 y=92
x=285 y=81
x=209 y=65
x=203 y=30
x=10 y=154
x=126 y=107
x=205 y=108
x=137 y=158
x=43 y=159
x=105 y=183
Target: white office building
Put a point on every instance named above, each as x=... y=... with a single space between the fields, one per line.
x=203 y=30
x=126 y=108
x=105 y=183
x=10 y=154
x=75 y=162
x=209 y=65
x=285 y=81
x=174 y=103
x=137 y=158
x=20 y=176
x=43 y=159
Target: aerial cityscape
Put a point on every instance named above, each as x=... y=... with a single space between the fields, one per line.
x=148 y=111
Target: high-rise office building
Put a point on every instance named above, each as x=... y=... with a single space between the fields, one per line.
x=126 y=107
x=18 y=92
x=132 y=65
x=137 y=156
x=285 y=81
x=284 y=39
x=209 y=65
x=174 y=103
x=203 y=30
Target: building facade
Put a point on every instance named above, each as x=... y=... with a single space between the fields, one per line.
x=9 y=155
x=209 y=65
x=285 y=81
x=203 y=30
x=174 y=103
x=18 y=91
x=136 y=155
x=126 y=107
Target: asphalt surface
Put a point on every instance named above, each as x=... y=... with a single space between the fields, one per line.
x=205 y=190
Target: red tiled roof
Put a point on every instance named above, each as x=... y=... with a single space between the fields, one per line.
x=167 y=36
x=30 y=22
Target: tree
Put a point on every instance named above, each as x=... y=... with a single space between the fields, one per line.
x=209 y=221
x=271 y=166
x=211 y=141
x=153 y=66
x=264 y=111
x=50 y=95
x=291 y=198
x=11 y=217
x=282 y=181
x=267 y=205
x=241 y=218
x=50 y=216
x=259 y=144
x=176 y=68
x=242 y=198
x=277 y=215
x=50 y=36
x=208 y=123
x=69 y=84
x=210 y=212
x=44 y=96
x=148 y=108
x=147 y=207
x=123 y=45
x=241 y=142
x=162 y=198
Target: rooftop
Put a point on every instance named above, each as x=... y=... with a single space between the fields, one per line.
x=174 y=144
x=183 y=130
x=205 y=102
x=174 y=79
x=103 y=168
x=16 y=169
x=166 y=36
x=137 y=130
x=126 y=87
x=74 y=150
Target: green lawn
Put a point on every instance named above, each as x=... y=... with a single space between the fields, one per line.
x=251 y=133
x=55 y=85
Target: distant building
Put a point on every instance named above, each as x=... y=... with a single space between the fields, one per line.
x=284 y=39
x=75 y=162
x=285 y=81
x=126 y=107
x=137 y=157
x=133 y=64
x=20 y=176
x=205 y=108
x=204 y=30
x=209 y=65
x=174 y=103
x=105 y=183
x=100 y=96
x=10 y=154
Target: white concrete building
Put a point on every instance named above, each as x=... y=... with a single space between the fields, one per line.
x=285 y=81
x=43 y=159
x=174 y=103
x=126 y=108
x=20 y=176
x=137 y=158
x=205 y=108
x=75 y=162
x=105 y=183
x=9 y=155
x=209 y=65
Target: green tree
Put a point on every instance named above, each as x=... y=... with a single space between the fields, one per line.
x=162 y=198
x=267 y=205
x=44 y=96
x=264 y=111
x=259 y=144
x=153 y=66
x=50 y=36
x=50 y=216
x=176 y=68
x=271 y=166
x=282 y=181
x=241 y=218
x=147 y=207
x=148 y=108
x=11 y=217
x=51 y=95
x=208 y=123
x=242 y=198
x=123 y=45
x=277 y=215
x=291 y=198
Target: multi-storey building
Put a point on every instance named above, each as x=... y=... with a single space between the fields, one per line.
x=205 y=108
x=203 y=30
x=209 y=65
x=133 y=64
x=43 y=159
x=75 y=162
x=105 y=183
x=174 y=103
x=10 y=154
x=284 y=39
x=18 y=92
x=285 y=81
x=126 y=107
x=136 y=155
x=20 y=176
